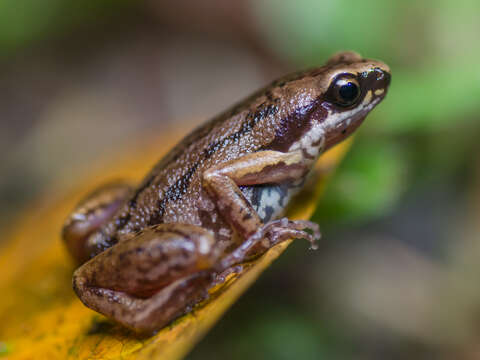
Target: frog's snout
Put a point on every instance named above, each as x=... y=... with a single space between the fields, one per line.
x=379 y=79
x=382 y=83
x=383 y=76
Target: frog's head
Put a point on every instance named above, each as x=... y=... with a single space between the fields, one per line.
x=351 y=88
x=326 y=104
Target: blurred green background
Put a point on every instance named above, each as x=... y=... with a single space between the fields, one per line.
x=397 y=272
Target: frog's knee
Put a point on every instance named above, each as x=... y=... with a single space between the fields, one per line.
x=90 y=214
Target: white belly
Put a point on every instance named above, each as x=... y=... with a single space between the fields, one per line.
x=270 y=201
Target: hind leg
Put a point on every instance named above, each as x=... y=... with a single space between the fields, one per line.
x=147 y=281
x=93 y=212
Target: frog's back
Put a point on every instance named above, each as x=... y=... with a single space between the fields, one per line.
x=173 y=192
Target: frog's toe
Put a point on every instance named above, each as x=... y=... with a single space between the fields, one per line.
x=283 y=229
x=269 y=235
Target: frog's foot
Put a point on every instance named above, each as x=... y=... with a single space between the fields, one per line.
x=270 y=234
x=90 y=214
x=221 y=277
x=145 y=315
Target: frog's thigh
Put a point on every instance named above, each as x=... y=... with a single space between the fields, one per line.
x=148 y=280
x=90 y=214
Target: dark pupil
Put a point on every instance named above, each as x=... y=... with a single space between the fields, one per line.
x=348 y=92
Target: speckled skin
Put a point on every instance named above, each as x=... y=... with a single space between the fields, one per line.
x=214 y=200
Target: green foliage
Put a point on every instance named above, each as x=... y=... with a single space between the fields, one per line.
x=28 y=21
x=368 y=182
x=269 y=331
x=281 y=328
x=20 y=21
x=429 y=100
x=309 y=30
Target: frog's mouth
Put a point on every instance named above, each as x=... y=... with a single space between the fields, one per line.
x=339 y=126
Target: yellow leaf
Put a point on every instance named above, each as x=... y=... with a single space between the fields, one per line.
x=40 y=316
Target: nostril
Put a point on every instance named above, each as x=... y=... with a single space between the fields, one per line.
x=380 y=73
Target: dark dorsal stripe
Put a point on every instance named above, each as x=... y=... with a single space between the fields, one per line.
x=251 y=120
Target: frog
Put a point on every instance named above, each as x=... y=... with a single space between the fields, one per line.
x=148 y=254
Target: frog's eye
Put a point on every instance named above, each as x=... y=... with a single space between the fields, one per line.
x=344 y=90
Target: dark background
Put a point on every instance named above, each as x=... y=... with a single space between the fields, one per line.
x=396 y=275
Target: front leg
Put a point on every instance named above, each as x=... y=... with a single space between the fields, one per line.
x=222 y=182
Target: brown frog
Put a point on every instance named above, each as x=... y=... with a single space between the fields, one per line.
x=151 y=252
